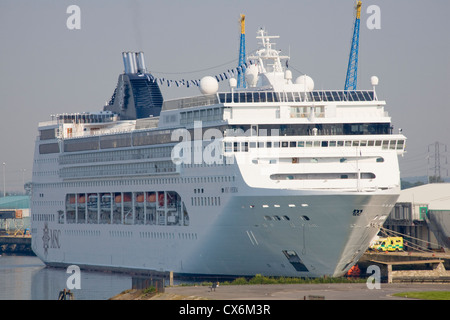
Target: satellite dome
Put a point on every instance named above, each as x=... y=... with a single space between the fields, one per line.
x=374 y=80
x=232 y=82
x=208 y=85
x=251 y=75
x=288 y=75
x=306 y=82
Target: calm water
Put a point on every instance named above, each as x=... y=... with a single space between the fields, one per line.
x=27 y=278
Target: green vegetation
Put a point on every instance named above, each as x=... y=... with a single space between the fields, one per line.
x=425 y=295
x=149 y=290
x=260 y=279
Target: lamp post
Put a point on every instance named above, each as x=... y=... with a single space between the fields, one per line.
x=4 y=183
x=23 y=177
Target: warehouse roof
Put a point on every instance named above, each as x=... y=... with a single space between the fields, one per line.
x=15 y=202
x=435 y=195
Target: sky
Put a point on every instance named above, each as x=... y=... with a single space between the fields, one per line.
x=47 y=68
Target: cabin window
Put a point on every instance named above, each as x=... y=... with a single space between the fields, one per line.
x=393 y=144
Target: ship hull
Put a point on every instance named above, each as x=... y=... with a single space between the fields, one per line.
x=273 y=233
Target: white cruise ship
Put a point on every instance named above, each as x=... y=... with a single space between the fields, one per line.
x=276 y=179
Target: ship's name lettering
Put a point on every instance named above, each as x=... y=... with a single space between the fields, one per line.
x=230 y=190
x=54 y=238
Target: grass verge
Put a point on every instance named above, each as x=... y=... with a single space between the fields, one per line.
x=425 y=295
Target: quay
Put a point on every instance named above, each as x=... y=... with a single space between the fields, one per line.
x=418 y=267
x=15 y=244
x=15 y=225
x=264 y=292
x=411 y=277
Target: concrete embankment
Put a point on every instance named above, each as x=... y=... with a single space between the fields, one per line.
x=332 y=291
x=410 y=266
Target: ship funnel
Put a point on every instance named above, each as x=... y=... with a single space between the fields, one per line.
x=145 y=98
x=125 y=62
x=140 y=62
x=129 y=65
x=134 y=62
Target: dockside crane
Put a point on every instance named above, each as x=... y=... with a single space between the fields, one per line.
x=242 y=58
x=352 y=69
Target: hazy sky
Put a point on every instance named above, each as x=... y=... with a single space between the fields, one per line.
x=46 y=68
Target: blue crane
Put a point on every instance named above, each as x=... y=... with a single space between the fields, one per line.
x=352 y=69
x=241 y=77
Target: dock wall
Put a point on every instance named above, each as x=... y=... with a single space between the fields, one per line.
x=15 y=244
x=409 y=267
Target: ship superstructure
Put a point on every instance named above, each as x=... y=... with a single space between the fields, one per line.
x=276 y=179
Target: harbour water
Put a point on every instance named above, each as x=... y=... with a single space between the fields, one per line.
x=27 y=278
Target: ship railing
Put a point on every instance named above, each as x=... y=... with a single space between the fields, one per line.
x=47 y=123
x=271 y=96
x=311 y=96
x=96 y=133
x=203 y=100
